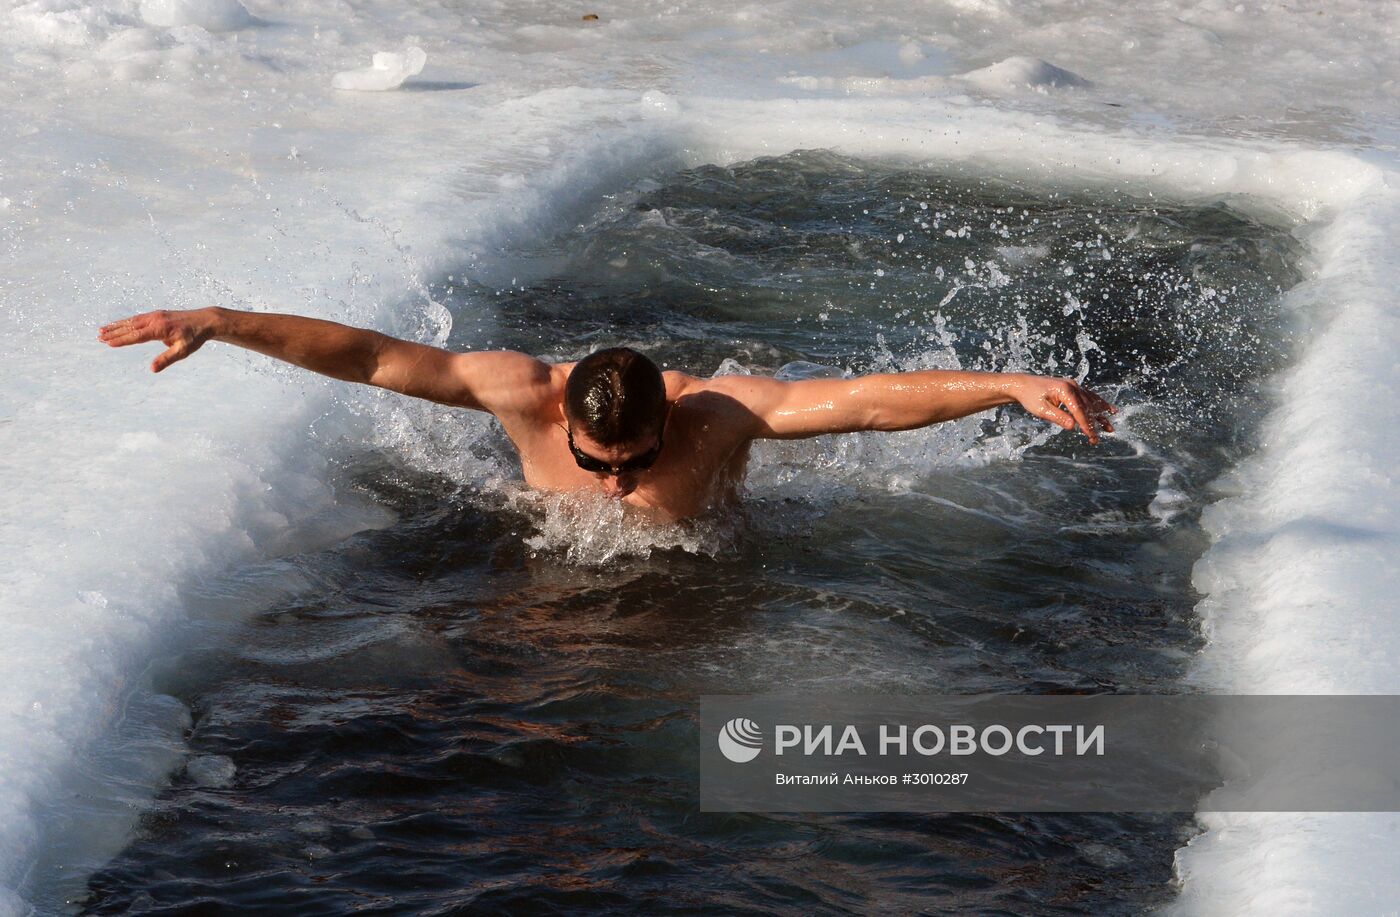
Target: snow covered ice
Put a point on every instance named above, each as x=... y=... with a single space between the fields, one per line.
x=211 y=15
x=1016 y=73
x=387 y=71
x=181 y=153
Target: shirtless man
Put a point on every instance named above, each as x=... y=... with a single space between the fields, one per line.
x=672 y=444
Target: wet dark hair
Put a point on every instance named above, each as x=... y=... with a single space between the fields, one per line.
x=617 y=395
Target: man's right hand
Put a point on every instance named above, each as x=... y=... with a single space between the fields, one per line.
x=501 y=382
x=182 y=333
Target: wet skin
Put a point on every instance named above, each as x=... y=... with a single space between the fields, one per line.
x=708 y=431
x=700 y=465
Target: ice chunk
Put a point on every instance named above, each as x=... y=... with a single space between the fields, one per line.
x=210 y=15
x=1017 y=73
x=387 y=71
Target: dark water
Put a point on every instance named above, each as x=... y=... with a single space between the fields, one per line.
x=489 y=706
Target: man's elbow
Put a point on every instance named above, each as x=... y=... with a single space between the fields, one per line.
x=883 y=414
x=374 y=363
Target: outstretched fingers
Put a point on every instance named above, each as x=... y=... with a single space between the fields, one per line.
x=123 y=337
x=134 y=330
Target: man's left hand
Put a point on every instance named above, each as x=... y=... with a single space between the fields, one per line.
x=1063 y=402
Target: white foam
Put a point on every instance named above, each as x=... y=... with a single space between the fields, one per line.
x=596 y=531
x=211 y=770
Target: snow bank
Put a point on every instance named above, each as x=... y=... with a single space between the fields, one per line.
x=1302 y=573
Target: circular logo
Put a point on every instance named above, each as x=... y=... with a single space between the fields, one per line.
x=740 y=740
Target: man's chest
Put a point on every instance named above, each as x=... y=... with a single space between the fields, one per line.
x=684 y=481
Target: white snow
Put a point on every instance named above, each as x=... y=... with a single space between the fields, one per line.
x=1017 y=73
x=212 y=15
x=167 y=154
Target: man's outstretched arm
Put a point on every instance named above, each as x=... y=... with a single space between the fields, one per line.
x=905 y=401
x=487 y=381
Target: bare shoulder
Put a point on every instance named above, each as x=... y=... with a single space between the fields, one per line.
x=749 y=391
x=725 y=399
x=695 y=391
x=508 y=382
x=679 y=384
x=518 y=367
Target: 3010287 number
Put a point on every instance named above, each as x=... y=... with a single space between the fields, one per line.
x=938 y=779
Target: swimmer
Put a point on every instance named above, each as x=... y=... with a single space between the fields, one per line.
x=613 y=423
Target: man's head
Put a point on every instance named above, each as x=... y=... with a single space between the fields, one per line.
x=615 y=405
